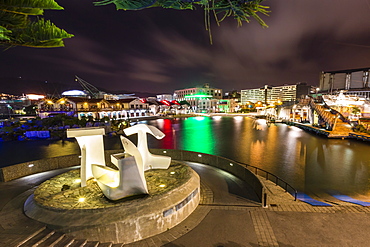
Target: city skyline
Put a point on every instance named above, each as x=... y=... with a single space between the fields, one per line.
x=161 y=50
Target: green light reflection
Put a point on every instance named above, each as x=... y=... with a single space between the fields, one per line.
x=198 y=136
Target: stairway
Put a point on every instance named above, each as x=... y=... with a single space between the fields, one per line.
x=45 y=237
x=335 y=120
x=326 y=115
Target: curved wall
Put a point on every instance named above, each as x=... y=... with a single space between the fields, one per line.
x=33 y=167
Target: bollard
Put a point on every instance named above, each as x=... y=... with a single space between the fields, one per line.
x=265 y=200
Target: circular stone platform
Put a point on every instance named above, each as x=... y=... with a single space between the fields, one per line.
x=84 y=212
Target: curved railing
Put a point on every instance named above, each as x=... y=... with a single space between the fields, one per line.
x=232 y=167
x=277 y=180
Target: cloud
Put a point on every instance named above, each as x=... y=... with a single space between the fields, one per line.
x=160 y=49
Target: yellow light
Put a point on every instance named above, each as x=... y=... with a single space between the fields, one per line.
x=62 y=102
x=81 y=199
x=77 y=181
x=49 y=102
x=172 y=172
x=162 y=185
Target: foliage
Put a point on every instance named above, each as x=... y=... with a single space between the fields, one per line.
x=20 y=26
x=241 y=10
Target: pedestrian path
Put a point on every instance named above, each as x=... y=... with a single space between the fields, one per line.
x=221 y=219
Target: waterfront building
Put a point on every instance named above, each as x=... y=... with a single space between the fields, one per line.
x=273 y=94
x=350 y=106
x=230 y=102
x=200 y=99
x=95 y=108
x=13 y=105
x=353 y=81
x=161 y=97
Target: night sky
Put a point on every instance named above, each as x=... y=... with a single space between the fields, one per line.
x=161 y=50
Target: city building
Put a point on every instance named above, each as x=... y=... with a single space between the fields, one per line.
x=200 y=99
x=13 y=105
x=95 y=108
x=275 y=94
x=230 y=102
x=351 y=82
x=161 y=97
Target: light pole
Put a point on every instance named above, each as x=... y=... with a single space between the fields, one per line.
x=9 y=107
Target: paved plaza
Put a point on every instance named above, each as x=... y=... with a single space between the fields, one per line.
x=227 y=216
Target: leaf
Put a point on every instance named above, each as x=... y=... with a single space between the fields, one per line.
x=4 y=33
x=39 y=4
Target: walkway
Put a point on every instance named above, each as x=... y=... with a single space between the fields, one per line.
x=227 y=216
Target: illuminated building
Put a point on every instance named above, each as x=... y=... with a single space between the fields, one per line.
x=273 y=94
x=96 y=108
x=201 y=99
x=354 y=81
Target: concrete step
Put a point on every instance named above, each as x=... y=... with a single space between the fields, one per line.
x=45 y=237
x=52 y=240
x=92 y=244
x=106 y=245
x=30 y=236
x=65 y=241
x=117 y=245
x=78 y=243
x=35 y=239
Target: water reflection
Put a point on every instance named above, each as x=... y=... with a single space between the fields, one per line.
x=197 y=135
x=310 y=163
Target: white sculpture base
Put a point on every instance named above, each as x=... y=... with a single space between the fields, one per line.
x=125 y=222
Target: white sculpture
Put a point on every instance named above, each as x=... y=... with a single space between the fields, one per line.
x=150 y=161
x=128 y=180
x=91 y=144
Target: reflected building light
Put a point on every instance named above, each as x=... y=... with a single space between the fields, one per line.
x=31 y=165
x=199 y=155
x=199 y=118
x=216 y=117
x=295 y=132
x=238 y=118
x=231 y=164
x=160 y=123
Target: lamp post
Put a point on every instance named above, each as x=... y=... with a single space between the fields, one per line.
x=9 y=107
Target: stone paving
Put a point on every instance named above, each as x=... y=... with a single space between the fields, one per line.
x=278 y=201
x=264 y=220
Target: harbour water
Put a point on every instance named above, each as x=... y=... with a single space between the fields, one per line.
x=310 y=163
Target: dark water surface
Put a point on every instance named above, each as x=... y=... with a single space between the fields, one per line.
x=310 y=163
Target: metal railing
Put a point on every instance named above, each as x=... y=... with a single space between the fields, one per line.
x=278 y=181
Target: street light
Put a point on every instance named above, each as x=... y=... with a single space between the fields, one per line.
x=9 y=107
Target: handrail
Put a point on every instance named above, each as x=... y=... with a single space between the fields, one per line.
x=277 y=179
